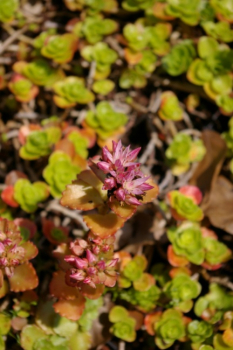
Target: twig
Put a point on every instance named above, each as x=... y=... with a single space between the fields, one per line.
x=15 y=35
x=91 y=74
x=55 y=206
x=121 y=345
x=149 y=148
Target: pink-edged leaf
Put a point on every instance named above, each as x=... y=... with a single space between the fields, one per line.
x=13 y=176
x=55 y=235
x=31 y=250
x=28 y=224
x=24 y=278
x=208 y=233
x=92 y=293
x=176 y=271
x=151 y=194
x=71 y=309
x=192 y=192
x=175 y=260
x=125 y=211
x=103 y=225
x=59 y=289
x=150 y=320
x=25 y=130
x=7 y=196
x=210 y=267
x=79 y=195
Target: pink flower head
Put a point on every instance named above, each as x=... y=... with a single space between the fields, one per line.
x=124 y=179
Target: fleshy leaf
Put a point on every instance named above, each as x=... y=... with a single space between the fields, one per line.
x=71 y=309
x=103 y=225
x=92 y=293
x=24 y=278
x=59 y=289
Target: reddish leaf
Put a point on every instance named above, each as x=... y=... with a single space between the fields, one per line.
x=192 y=192
x=7 y=196
x=71 y=309
x=92 y=293
x=28 y=224
x=25 y=130
x=174 y=259
x=55 y=235
x=13 y=176
x=24 y=278
x=103 y=225
x=139 y=318
x=150 y=321
x=65 y=146
x=59 y=289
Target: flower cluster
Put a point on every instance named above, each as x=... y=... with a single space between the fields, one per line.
x=91 y=262
x=124 y=179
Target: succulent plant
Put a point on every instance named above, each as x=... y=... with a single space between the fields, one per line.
x=29 y=195
x=60 y=172
x=93 y=6
x=145 y=301
x=183 y=151
x=136 y=5
x=132 y=78
x=137 y=36
x=39 y=72
x=38 y=42
x=60 y=48
x=223 y=9
x=103 y=87
x=225 y=102
x=22 y=88
x=105 y=121
x=8 y=9
x=215 y=251
x=103 y=56
x=123 y=325
x=14 y=256
x=54 y=234
x=71 y=91
x=188 y=12
x=94 y=28
x=199 y=331
x=80 y=143
x=219 y=31
x=167 y=326
x=180 y=58
x=184 y=203
x=181 y=290
x=212 y=306
x=39 y=143
x=187 y=241
x=169 y=107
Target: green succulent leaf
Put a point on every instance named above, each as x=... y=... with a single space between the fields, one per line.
x=215 y=251
x=8 y=9
x=125 y=329
x=80 y=144
x=60 y=172
x=179 y=59
x=95 y=28
x=220 y=31
x=185 y=207
x=224 y=8
x=187 y=241
x=5 y=324
x=132 y=78
x=188 y=12
x=30 y=195
x=199 y=331
x=226 y=103
x=103 y=87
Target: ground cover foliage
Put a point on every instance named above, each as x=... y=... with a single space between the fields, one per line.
x=116 y=162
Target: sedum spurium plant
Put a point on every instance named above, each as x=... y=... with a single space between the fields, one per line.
x=15 y=254
x=8 y=10
x=169 y=107
x=183 y=151
x=123 y=324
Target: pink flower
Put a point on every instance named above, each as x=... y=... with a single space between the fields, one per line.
x=124 y=180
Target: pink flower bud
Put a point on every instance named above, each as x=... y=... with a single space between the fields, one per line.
x=81 y=263
x=109 y=183
x=120 y=194
x=96 y=250
x=79 y=276
x=105 y=167
x=91 y=271
x=101 y=265
x=132 y=201
x=70 y=259
x=90 y=257
x=2 y=248
x=112 y=263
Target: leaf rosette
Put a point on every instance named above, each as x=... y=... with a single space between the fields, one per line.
x=22 y=88
x=199 y=331
x=8 y=9
x=71 y=91
x=60 y=172
x=60 y=48
x=188 y=12
x=123 y=325
x=169 y=107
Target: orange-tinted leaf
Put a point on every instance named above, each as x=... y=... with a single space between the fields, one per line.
x=139 y=318
x=125 y=211
x=59 y=289
x=59 y=253
x=103 y=225
x=145 y=282
x=151 y=194
x=31 y=250
x=3 y=286
x=92 y=293
x=175 y=271
x=174 y=259
x=7 y=196
x=150 y=321
x=80 y=195
x=65 y=146
x=24 y=278
x=228 y=337
x=71 y=309
x=28 y=224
